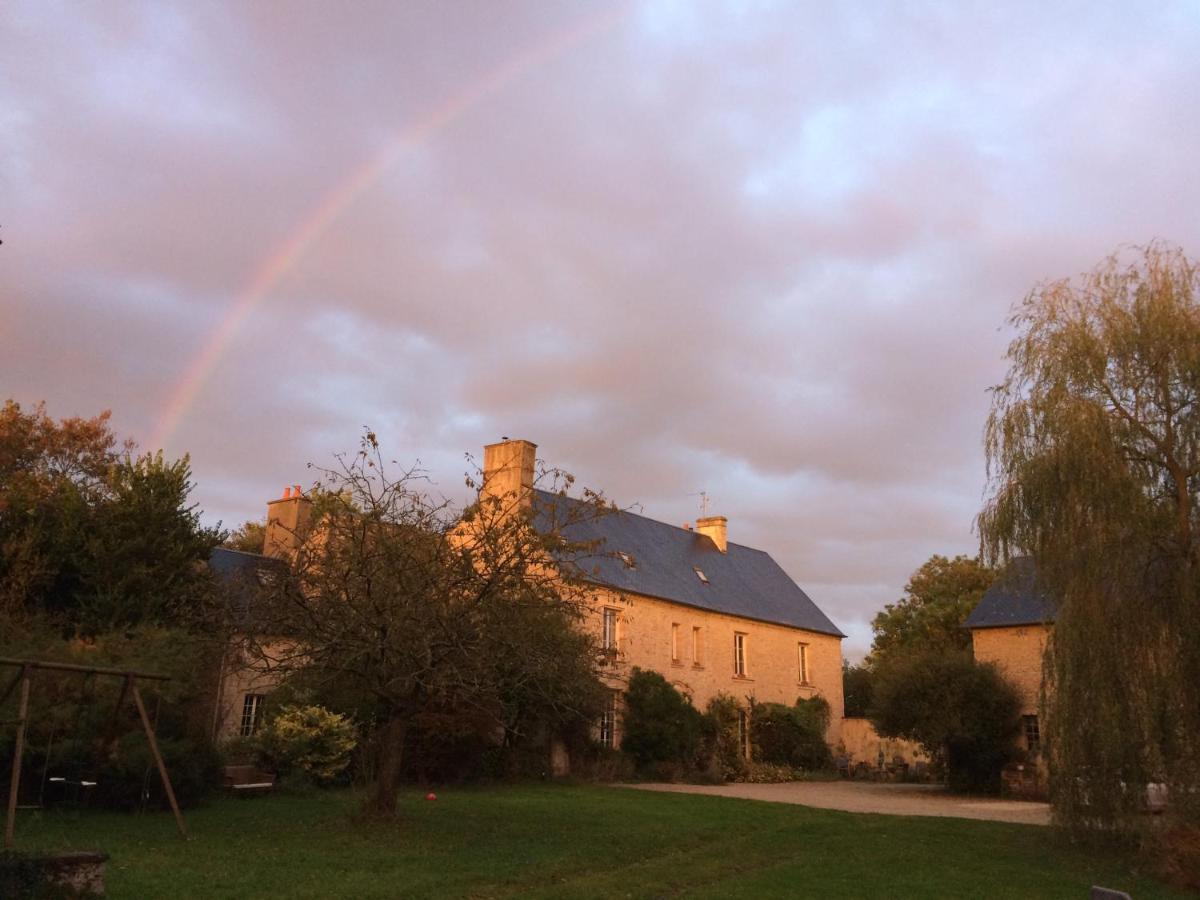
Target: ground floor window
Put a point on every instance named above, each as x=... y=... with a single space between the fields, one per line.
x=251 y=714
x=608 y=721
x=1033 y=733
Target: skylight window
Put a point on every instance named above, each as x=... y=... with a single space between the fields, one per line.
x=627 y=559
x=700 y=574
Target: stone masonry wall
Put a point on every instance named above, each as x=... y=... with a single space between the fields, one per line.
x=644 y=634
x=1017 y=652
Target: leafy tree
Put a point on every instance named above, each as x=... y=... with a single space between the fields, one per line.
x=858 y=684
x=429 y=612
x=961 y=712
x=1093 y=448
x=248 y=537
x=138 y=559
x=937 y=600
x=660 y=727
x=92 y=535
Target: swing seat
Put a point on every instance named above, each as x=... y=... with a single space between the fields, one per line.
x=247 y=780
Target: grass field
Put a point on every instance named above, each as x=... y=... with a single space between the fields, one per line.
x=573 y=841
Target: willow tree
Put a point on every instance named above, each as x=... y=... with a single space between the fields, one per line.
x=1093 y=447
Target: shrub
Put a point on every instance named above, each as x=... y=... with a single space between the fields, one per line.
x=662 y=730
x=127 y=778
x=309 y=739
x=791 y=736
x=961 y=712
x=722 y=746
x=596 y=763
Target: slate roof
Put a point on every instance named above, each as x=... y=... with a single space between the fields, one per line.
x=741 y=582
x=1013 y=599
x=241 y=574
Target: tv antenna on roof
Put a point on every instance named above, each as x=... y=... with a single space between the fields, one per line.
x=703 y=495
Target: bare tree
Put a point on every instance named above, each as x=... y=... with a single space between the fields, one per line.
x=427 y=609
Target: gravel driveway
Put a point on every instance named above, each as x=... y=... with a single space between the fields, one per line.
x=867 y=797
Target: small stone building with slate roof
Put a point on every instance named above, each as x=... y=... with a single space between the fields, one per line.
x=712 y=616
x=1010 y=627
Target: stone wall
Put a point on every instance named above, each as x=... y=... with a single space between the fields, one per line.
x=1017 y=653
x=862 y=743
x=644 y=634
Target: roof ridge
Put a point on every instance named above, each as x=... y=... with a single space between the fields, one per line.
x=239 y=552
x=664 y=524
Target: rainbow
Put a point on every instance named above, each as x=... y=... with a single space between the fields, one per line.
x=335 y=201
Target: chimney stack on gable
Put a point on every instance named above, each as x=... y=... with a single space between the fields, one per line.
x=714 y=528
x=287 y=523
x=508 y=469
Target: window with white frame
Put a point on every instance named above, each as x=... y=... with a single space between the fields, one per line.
x=608 y=634
x=675 y=642
x=739 y=654
x=802 y=662
x=697 y=646
x=1033 y=733
x=251 y=714
x=608 y=721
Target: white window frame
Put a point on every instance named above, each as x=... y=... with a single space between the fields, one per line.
x=802 y=662
x=608 y=722
x=608 y=628
x=697 y=646
x=1031 y=725
x=251 y=714
x=675 y=643
x=739 y=654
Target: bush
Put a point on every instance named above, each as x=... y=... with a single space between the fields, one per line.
x=311 y=740
x=791 y=736
x=122 y=776
x=962 y=713
x=596 y=763
x=662 y=730
x=721 y=745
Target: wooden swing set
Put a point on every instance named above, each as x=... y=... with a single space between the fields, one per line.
x=25 y=668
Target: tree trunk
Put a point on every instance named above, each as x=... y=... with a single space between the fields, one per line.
x=382 y=801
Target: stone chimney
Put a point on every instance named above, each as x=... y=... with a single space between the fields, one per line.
x=287 y=523
x=508 y=471
x=713 y=527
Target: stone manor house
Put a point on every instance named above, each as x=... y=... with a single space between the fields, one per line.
x=712 y=616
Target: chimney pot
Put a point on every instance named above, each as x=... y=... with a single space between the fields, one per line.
x=287 y=522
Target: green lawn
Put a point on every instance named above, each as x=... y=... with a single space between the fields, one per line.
x=572 y=841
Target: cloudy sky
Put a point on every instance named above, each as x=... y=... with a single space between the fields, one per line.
x=760 y=250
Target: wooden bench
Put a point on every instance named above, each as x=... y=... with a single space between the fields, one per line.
x=247 y=780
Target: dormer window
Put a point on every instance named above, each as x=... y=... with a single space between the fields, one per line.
x=700 y=574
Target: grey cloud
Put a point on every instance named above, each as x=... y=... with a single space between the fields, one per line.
x=762 y=250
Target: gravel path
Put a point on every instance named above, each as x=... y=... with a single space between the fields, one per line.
x=867 y=797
